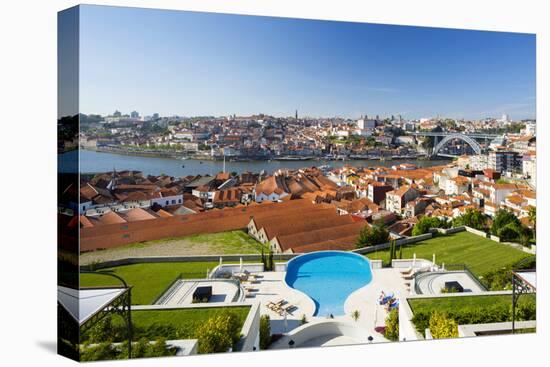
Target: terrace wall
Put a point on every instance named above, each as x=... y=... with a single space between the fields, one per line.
x=398 y=242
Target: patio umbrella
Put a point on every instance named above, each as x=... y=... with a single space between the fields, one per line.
x=241 y=264
x=285 y=321
x=433 y=259
x=414 y=260
x=207 y=273
x=220 y=265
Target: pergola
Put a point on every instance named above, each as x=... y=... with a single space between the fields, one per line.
x=523 y=282
x=88 y=306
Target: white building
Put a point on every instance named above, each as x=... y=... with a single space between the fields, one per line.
x=529 y=168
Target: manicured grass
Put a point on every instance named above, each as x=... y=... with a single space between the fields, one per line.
x=169 y=324
x=148 y=280
x=182 y=323
x=232 y=242
x=449 y=304
x=223 y=243
x=481 y=255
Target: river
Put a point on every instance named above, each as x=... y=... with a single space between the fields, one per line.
x=91 y=161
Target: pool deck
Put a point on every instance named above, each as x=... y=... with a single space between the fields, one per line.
x=271 y=286
x=365 y=300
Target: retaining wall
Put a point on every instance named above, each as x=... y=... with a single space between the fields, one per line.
x=401 y=241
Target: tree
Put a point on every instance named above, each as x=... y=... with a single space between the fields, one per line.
x=425 y=223
x=442 y=326
x=218 y=333
x=472 y=218
x=391 y=331
x=355 y=315
x=372 y=235
x=265 y=332
x=503 y=217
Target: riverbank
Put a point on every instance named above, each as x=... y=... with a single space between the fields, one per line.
x=207 y=156
x=94 y=161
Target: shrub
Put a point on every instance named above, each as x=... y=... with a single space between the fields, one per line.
x=304 y=319
x=99 y=352
x=449 y=290
x=425 y=223
x=355 y=315
x=525 y=311
x=372 y=235
x=503 y=217
x=441 y=326
x=101 y=332
x=265 y=332
x=490 y=313
x=472 y=218
x=392 y=326
x=218 y=333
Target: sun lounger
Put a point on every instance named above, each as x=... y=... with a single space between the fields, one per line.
x=408 y=274
x=286 y=308
x=407 y=270
x=275 y=305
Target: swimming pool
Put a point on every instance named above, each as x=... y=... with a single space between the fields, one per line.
x=328 y=277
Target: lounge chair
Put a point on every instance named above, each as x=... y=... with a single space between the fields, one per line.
x=409 y=273
x=407 y=270
x=248 y=294
x=289 y=307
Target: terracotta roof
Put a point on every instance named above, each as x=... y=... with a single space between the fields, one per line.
x=400 y=191
x=295 y=241
x=232 y=195
x=107 y=218
x=137 y=214
x=297 y=223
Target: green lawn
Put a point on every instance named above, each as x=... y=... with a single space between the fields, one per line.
x=223 y=243
x=448 y=304
x=481 y=255
x=185 y=322
x=479 y=309
x=232 y=242
x=170 y=324
x=148 y=280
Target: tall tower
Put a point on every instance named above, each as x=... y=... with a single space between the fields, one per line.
x=296 y=115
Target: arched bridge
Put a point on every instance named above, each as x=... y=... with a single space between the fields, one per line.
x=442 y=138
x=470 y=141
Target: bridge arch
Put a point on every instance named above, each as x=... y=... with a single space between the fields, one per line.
x=470 y=141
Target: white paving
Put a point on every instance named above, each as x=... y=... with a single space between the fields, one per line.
x=222 y=291
x=365 y=300
x=271 y=286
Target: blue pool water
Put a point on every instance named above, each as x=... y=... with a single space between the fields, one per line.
x=328 y=277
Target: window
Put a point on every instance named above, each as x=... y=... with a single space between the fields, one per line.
x=173 y=201
x=167 y=202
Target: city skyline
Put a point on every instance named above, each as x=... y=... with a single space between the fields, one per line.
x=193 y=64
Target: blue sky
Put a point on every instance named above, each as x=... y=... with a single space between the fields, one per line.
x=186 y=63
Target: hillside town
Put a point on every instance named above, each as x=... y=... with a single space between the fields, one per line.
x=311 y=208
x=264 y=137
